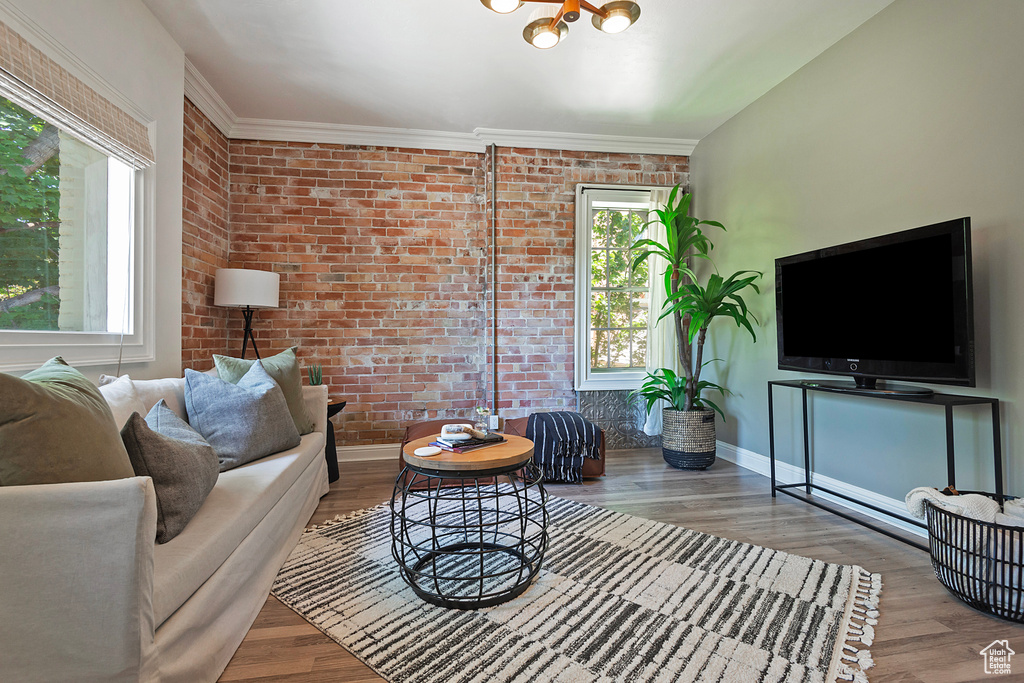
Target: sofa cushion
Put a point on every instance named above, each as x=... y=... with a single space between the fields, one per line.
x=121 y=396
x=182 y=465
x=284 y=368
x=239 y=501
x=244 y=421
x=56 y=427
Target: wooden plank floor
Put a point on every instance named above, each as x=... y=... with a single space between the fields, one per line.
x=924 y=634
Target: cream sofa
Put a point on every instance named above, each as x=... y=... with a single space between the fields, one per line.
x=86 y=594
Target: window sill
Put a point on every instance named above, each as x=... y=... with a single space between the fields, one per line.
x=22 y=351
x=619 y=381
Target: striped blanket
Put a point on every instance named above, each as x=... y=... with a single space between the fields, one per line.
x=560 y=442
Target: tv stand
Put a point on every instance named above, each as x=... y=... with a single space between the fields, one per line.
x=945 y=401
x=865 y=382
x=866 y=386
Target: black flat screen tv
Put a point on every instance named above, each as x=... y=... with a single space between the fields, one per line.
x=895 y=307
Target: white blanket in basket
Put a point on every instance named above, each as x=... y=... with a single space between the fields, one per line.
x=973 y=505
x=996 y=554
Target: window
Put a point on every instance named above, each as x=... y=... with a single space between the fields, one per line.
x=612 y=301
x=66 y=221
x=73 y=169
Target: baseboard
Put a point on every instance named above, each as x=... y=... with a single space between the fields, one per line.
x=377 y=451
x=789 y=474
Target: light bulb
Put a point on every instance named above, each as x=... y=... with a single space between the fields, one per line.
x=618 y=15
x=541 y=34
x=505 y=6
x=545 y=39
x=617 y=22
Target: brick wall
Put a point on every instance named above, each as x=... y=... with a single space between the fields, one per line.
x=204 y=237
x=536 y=254
x=382 y=259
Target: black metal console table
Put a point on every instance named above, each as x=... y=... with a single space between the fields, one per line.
x=946 y=401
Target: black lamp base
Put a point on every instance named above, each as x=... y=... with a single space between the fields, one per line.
x=247 y=314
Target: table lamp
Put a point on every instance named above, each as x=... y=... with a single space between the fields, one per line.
x=249 y=289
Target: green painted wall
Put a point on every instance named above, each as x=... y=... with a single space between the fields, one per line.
x=915 y=117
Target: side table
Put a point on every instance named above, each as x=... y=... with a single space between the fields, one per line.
x=474 y=545
x=331 y=451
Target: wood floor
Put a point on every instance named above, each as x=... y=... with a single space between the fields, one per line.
x=924 y=634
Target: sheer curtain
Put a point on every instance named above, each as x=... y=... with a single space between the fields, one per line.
x=661 y=336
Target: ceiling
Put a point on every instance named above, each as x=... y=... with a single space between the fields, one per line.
x=454 y=66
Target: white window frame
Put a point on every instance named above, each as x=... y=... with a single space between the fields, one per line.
x=584 y=379
x=27 y=349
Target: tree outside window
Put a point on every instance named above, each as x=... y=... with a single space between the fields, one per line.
x=618 y=313
x=66 y=217
x=611 y=302
x=29 y=224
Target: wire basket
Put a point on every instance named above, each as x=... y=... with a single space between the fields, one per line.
x=982 y=563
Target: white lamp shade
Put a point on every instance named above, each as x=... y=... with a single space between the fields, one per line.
x=242 y=287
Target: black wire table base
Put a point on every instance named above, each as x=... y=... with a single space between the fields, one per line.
x=467 y=540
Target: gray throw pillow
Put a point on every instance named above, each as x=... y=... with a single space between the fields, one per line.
x=284 y=368
x=244 y=421
x=55 y=427
x=183 y=466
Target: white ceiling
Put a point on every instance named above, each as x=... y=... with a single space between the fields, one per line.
x=686 y=67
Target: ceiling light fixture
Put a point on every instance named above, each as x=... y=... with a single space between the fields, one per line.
x=502 y=6
x=619 y=16
x=546 y=32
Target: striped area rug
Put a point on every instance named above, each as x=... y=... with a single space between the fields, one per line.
x=619 y=598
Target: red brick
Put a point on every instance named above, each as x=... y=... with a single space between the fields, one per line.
x=383 y=259
x=205 y=239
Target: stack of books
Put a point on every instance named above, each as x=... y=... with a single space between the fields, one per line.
x=477 y=439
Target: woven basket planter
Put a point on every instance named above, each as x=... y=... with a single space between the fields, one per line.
x=688 y=438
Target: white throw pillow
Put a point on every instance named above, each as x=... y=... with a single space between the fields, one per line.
x=172 y=390
x=121 y=396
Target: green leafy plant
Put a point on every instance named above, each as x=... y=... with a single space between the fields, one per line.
x=316 y=375
x=692 y=305
x=666 y=384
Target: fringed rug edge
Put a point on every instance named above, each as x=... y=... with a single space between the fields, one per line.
x=850 y=662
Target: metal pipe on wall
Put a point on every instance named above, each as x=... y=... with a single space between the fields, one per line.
x=494 y=278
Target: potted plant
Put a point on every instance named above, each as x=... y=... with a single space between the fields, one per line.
x=688 y=431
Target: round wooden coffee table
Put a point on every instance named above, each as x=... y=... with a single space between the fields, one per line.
x=469 y=530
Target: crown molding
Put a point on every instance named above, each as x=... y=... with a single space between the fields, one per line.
x=582 y=142
x=206 y=99
x=344 y=134
x=55 y=50
x=477 y=141
x=202 y=94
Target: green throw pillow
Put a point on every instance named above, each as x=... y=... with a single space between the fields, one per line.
x=284 y=368
x=55 y=427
